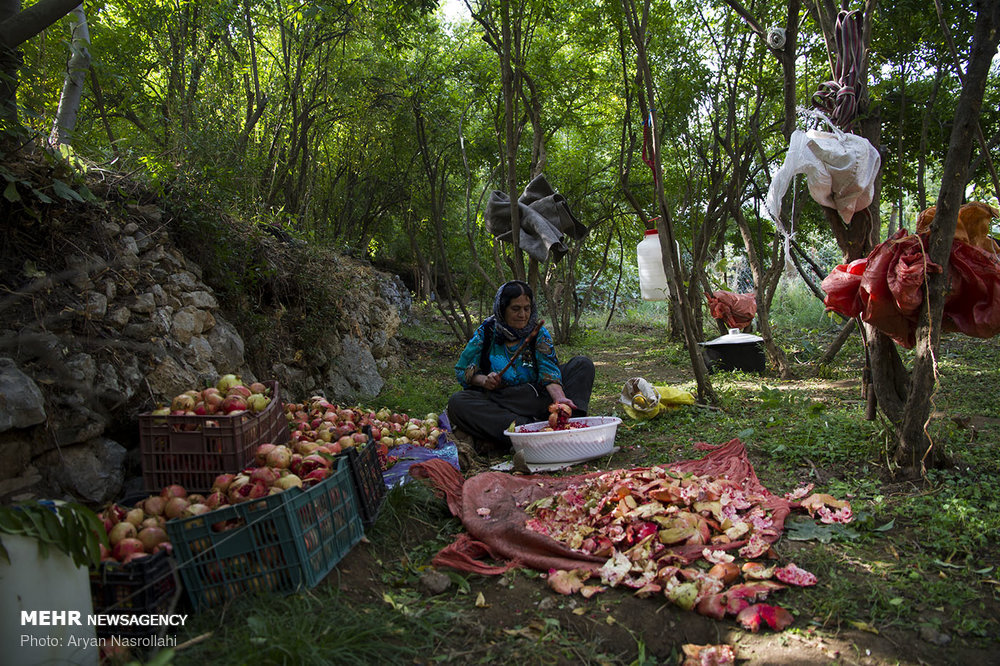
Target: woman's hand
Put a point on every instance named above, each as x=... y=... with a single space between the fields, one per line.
x=490 y=382
x=557 y=395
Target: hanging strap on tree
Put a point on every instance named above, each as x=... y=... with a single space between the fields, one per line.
x=839 y=98
x=648 y=154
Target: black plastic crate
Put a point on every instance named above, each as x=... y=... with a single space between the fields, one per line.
x=146 y=586
x=366 y=473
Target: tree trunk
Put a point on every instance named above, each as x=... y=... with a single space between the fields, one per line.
x=915 y=450
x=671 y=262
x=507 y=78
x=17 y=27
x=76 y=73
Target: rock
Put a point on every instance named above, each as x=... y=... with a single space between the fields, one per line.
x=15 y=453
x=112 y=229
x=132 y=227
x=110 y=290
x=118 y=317
x=434 y=582
x=21 y=402
x=129 y=246
x=29 y=477
x=140 y=331
x=159 y=295
x=80 y=267
x=96 y=305
x=398 y=296
x=144 y=303
x=143 y=240
x=199 y=356
x=227 y=346
x=186 y=325
x=200 y=299
x=547 y=604
x=72 y=421
x=183 y=281
x=82 y=368
x=154 y=256
x=147 y=211
x=357 y=367
x=932 y=635
x=170 y=378
x=163 y=320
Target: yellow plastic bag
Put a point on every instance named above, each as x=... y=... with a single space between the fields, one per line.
x=641 y=400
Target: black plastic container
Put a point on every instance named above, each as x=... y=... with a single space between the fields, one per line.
x=735 y=351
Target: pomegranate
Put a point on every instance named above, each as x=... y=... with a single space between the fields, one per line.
x=239 y=390
x=151 y=537
x=260 y=455
x=135 y=516
x=288 y=481
x=226 y=382
x=166 y=545
x=121 y=531
x=257 y=387
x=182 y=403
x=173 y=491
x=233 y=403
x=222 y=482
x=280 y=457
x=195 y=510
x=126 y=547
x=257 y=402
x=215 y=499
x=175 y=508
x=314 y=476
x=265 y=475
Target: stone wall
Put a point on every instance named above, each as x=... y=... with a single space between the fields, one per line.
x=129 y=324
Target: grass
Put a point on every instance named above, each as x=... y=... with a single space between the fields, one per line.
x=919 y=554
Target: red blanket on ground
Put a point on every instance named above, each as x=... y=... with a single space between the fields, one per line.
x=887 y=288
x=737 y=310
x=501 y=535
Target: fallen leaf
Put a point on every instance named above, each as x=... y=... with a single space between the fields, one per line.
x=481 y=601
x=579 y=611
x=863 y=626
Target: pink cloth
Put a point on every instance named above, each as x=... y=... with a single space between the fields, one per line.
x=490 y=508
x=737 y=310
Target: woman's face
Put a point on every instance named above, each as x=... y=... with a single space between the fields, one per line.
x=518 y=312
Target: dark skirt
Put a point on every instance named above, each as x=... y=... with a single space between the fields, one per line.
x=486 y=415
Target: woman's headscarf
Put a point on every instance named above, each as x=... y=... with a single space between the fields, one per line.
x=505 y=294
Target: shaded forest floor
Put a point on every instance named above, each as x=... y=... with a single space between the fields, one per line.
x=913 y=580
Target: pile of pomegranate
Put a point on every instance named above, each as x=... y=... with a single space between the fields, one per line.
x=229 y=397
x=318 y=424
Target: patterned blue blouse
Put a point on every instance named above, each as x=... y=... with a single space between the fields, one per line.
x=523 y=369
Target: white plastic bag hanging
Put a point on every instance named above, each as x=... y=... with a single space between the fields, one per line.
x=840 y=169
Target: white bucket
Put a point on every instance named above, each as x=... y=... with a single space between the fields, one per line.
x=51 y=584
x=652 y=278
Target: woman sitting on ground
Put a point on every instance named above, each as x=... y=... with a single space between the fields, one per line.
x=491 y=401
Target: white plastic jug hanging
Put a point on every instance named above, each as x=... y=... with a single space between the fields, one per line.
x=652 y=279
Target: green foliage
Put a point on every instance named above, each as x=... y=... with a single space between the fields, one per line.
x=69 y=527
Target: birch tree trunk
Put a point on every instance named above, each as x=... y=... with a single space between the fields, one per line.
x=76 y=73
x=17 y=27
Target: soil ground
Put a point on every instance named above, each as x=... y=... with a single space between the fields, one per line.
x=633 y=630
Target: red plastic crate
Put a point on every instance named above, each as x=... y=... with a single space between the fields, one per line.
x=193 y=450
